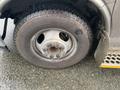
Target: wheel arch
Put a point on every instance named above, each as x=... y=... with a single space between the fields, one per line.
x=100 y=4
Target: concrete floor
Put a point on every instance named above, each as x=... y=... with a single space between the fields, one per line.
x=17 y=74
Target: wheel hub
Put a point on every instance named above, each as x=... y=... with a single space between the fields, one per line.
x=54 y=43
x=53 y=49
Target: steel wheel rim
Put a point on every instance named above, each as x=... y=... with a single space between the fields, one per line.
x=53 y=39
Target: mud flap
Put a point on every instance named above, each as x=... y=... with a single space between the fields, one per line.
x=102 y=47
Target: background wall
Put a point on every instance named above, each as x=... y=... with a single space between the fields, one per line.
x=115 y=35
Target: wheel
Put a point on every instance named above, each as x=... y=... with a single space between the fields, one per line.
x=53 y=38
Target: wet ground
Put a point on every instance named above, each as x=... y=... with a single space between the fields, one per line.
x=17 y=74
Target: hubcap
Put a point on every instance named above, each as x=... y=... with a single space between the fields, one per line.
x=54 y=44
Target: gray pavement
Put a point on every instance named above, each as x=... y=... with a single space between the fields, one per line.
x=17 y=74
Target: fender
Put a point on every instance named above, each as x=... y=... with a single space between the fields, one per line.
x=105 y=12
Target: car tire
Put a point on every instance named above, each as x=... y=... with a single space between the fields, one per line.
x=37 y=22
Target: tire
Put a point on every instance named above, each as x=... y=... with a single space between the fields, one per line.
x=38 y=21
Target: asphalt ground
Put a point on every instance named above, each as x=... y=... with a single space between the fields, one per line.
x=17 y=74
